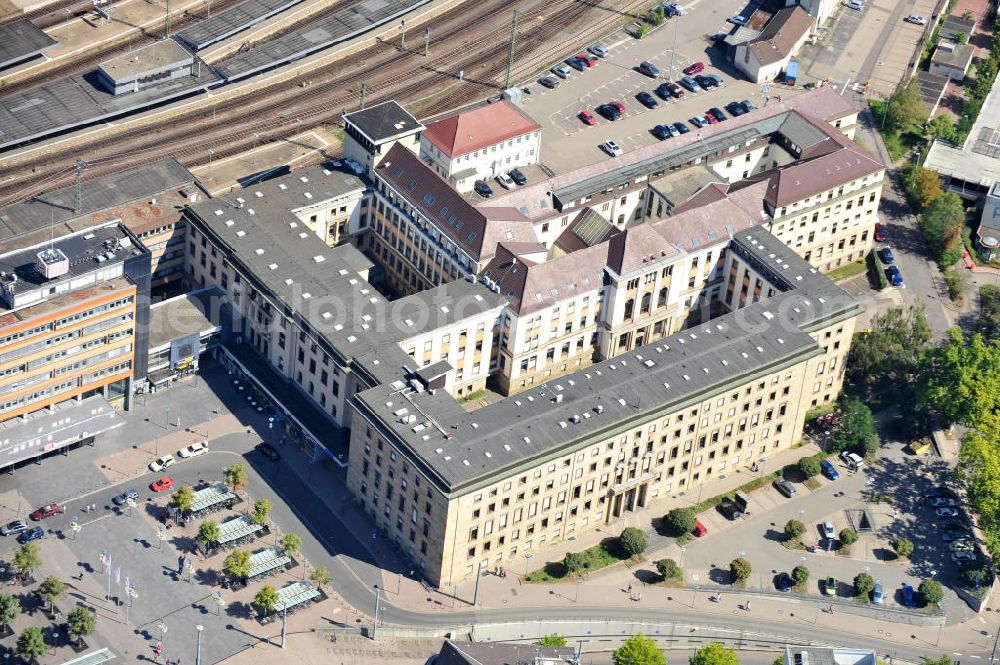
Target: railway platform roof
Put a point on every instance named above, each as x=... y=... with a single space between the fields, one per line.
x=232 y=21
x=21 y=40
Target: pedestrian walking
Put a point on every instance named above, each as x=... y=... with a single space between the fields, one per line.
x=748 y=606
x=629 y=592
x=639 y=599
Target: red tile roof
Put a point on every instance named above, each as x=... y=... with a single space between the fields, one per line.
x=781 y=35
x=479 y=128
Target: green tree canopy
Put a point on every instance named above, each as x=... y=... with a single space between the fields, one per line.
x=961 y=379
x=633 y=541
x=10 y=609
x=740 y=568
x=989 y=311
x=261 y=509
x=680 y=520
x=574 y=562
x=553 y=640
x=52 y=588
x=794 y=529
x=809 y=466
x=942 y=222
x=848 y=536
x=856 y=431
x=290 y=543
x=927 y=183
x=931 y=591
x=941 y=127
x=714 y=653
x=864 y=584
x=237 y=564
x=891 y=348
x=27 y=559
x=236 y=477
x=81 y=622
x=668 y=569
x=266 y=599
x=638 y=650
x=320 y=576
x=31 y=643
x=800 y=574
x=903 y=547
x=182 y=499
x=906 y=110
x=209 y=533
x=979 y=468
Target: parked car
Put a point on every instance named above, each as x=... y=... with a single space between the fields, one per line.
x=700 y=530
x=268 y=451
x=830 y=586
x=953 y=536
x=710 y=119
x=561 y=72
x=608 y=112
x=829 y=470
x=483 y=189
x=194 y=450
x=955 y=556
x=647 y=100
x=887 y=257
x=729 y=509
x=916 y=19
x=586 y=59
x=517 y=176
x=649 y=69
x=937 y=502
x=694 y=68
x=505 y=181
x=673 y=130
x=600 y=50
x=828 y=531
x=706 y=82
x=938 y=492
x=611 y=148
x=947 y=511
x=735 y=108
x=783 y=582
x=674 y=9
x=46 y=511
x=717 y=80
x=853 y=461
x=698 y=121
x=954 y=525
x=162 y=484
x=587 y=117
x=854 y=4
x=879 y=232
x=894 y=276
x=681 y=127
x=690 y=84
x=719 y=115
x=549 y=82
x=785 y=487
x=669 y=89
x=10 y=528
x=747 y=106
x=962 y=546
x=661 y=132
x=908 y=598
x=576 y=63
x=122 y=499
x=162 y=463
x=878 y=593
x=31 y=534
x=737 y=20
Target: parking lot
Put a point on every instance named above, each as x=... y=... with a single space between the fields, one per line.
x=569 y=143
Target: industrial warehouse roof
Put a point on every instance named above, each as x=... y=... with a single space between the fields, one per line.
x=77 y=101
x=462 y=451
x=479 y=128
x=152 y=57
x=53 y=212
x=21 y=40
x=232 y=21
x=383 y=121
x=315 y=35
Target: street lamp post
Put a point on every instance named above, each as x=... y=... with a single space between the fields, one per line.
x=378 y=600
x=197 y=658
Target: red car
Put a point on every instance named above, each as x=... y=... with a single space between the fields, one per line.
x=696 y=68
x=618 y=106
x=588 y=117
x=879 y=232
x=589 y=59
x=161 y=485
x=711 y=119
x=700 y=530
x=46 y=511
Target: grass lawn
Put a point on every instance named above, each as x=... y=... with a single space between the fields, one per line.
x=793 y=544
x=813 y=483
x=479 y=394
x=595 y=558
x=848 y=271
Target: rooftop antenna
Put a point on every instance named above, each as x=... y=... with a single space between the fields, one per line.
x=79 y=183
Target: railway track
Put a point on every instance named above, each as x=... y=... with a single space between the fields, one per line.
x=473 y=39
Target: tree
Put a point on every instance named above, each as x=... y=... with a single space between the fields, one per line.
x=81 y=623
x=740 y=568
x=31 y=643
x=714 y=653
x=574 y=562
x=856 y=431
x=800 y=574
x=903 y=547
x=809 y=466
x=961 y=379
x=237 y=564
x=942 y=127
x=942 y=222
x=957 y=282
x=10 y=609
x=266 y=599
x=979 y=469
x=668 y=569
x=208 y=533
x=261 y=508
x=290 y=543
x=989 y=311
x=680 y=521
x=320 y=576
x=864 y=584
x=52 y=588
x=927 y=183
x=638 y=650
x=978 y=576
x=961 y=38
x=794 y=530
x=27 y=560
x=236 y=477
x=906 y=110
x=633 y=541
x=891 y=348
x=931 y=591
x=183 y=499
x=553 y=640
x=848 y=536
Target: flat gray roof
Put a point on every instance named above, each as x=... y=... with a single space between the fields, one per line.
x=315 y=35
x=31 y=221
x=155 y=56
x=78 y=100
x=978 y=161
x=462 y=451
x=232 y=21
x=383 y=121
x=188 y=314
x=44 y=432
x=21 y=40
